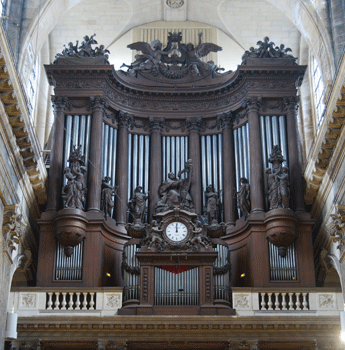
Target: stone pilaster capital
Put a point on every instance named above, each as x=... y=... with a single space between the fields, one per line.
x=225 y=120
x=124 y=120
x=195 y=125
x=156 y=124
x=60 y=103
x=252 y=104
x=98 y=103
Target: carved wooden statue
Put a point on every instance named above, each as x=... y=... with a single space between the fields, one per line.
x=243 y=197
x=137 y=205
x=108 y=192
x=212 y=207
x=74 y=191
x=278 y=181
x=175 y=192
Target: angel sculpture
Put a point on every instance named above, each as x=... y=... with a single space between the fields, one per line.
x=193 y=54
x=151 y=56
x=85 y=48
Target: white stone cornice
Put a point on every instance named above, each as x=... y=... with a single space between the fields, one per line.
x=15 y=110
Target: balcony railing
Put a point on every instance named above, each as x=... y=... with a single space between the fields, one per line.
x=106 y=301
x=311 y=301
x=66 y=301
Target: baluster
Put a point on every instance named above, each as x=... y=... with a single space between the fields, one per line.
x=77 y=302
x=263 y=304
x=70 y=303
x=290 y=301
x=50 y=301
x=84 y=301
x=270 y=304
x=298 y=302
x=57 y=301
x=284 y=301
x=277 y=303
x=63 y=303
x=92 y=303
x=305 y=303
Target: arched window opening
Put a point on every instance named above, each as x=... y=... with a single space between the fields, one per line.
x=319 y=92
x=31 y=89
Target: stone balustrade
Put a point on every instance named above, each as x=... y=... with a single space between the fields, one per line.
x=66 y=301
x=106 y=301
x=255 y=301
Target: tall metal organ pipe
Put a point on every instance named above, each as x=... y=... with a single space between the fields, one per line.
x=241 y=148
x=212 y=165
x=138 y=165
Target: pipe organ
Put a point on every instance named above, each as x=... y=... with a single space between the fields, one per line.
x=181 y=181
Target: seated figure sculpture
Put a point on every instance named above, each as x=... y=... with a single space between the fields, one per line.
x=174 y=192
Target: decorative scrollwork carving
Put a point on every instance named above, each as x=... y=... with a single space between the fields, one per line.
x=336 y=228
x=12 y=228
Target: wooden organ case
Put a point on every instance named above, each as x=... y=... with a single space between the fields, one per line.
x=173 y=179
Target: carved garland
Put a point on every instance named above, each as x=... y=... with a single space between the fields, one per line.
x=127 y=268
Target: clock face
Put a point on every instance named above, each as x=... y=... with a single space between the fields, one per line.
x=176 y=231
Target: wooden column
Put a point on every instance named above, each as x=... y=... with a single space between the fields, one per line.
x=54 y=201
x=256 y=168
x=156 y=125
x=229 y=175
x=194 y=125
x=122 y=169
x=295 y=168
x=95 y=165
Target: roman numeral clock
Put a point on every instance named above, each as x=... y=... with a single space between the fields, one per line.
x=177 y=261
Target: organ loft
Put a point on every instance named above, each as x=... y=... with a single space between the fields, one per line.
x=175 y=179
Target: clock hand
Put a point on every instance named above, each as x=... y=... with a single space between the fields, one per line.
x=176 y=228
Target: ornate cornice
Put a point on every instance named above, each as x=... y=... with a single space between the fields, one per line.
x=17 y=115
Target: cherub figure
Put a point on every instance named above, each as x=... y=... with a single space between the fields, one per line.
x=150 y=58
x=199 y=238
x=193 y=54
x=155 y=235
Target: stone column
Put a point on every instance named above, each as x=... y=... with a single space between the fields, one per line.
x=95 y=160
x=229 y=175
x=122 y=169
x=295 y=168
x=194 y=125
x=156 y=125
x=54 y=201
x=255 y=156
